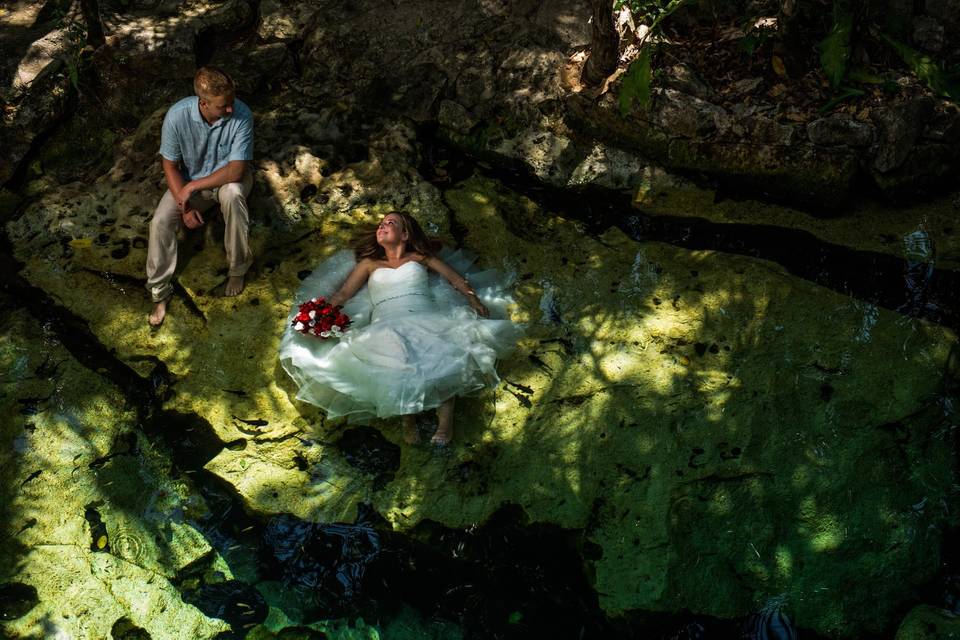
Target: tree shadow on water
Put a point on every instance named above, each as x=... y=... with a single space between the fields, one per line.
x=724 y=436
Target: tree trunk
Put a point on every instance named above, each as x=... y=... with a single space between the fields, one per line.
x=91 y=15
x=604 y=45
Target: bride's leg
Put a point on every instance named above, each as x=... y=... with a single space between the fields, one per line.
x=410 y=433
x=444 y=432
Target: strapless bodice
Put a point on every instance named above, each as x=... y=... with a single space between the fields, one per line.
x=405 y=289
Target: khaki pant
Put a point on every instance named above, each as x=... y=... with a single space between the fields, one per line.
x=162 y=248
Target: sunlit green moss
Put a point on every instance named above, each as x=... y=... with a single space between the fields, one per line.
x=784 y=562
x=829 y=536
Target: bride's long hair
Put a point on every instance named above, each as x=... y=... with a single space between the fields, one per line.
x=366 y=245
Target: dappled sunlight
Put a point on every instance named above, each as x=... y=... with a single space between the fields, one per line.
x=688 y=384
x=277 y=486
x=714 y=431
x=828 y=536
x=784 y=562
x=97 y=519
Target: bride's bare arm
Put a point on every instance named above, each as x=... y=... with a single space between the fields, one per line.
x=352 y=284
x=458 y=282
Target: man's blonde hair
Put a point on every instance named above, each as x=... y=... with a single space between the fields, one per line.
x=212 y=82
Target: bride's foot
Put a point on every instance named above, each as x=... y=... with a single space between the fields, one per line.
x=410 y=433
x=443 y=436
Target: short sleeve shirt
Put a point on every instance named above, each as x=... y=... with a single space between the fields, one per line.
x=202 y=148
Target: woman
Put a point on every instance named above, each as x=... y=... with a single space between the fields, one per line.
x=420 y=335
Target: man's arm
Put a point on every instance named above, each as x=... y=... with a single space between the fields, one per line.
x=231 y=172
x=174 y=178
x=175 y=182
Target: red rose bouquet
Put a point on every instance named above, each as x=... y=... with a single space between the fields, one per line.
x=317 y=318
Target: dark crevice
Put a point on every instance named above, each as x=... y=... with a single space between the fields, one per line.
x=913 y=289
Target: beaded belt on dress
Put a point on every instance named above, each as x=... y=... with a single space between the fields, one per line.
x=402 y=295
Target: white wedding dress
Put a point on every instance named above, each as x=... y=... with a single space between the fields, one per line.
x=414 y=341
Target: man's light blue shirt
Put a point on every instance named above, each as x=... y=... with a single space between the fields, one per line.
x=201 y=148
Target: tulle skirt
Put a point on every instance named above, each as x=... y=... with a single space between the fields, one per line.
x=401 y=360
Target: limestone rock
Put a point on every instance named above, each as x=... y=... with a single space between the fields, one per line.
x=284 y=21
x=899 y=128
x=944 y=126
x=257 y=69
x=58 y=45
x=905 y=159
x=568 y=19
x=928 y=623
x=767 y=131
x=837 y=130
x=528 y=76
x=685 y=80
x=684 y=115
x=946 y=12
x=143 y=40
x=416 y=93
x=38 y=109
x=88 y=596
x=288 y=178
x=928 y=33
x=94 y=524
x=561 y=162
x=149 y=59
x=475 y=84
x=455 y=116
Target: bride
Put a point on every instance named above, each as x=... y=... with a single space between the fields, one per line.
x=420 y=333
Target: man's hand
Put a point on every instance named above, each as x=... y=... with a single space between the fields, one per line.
x=191 y=219
x=183 y=198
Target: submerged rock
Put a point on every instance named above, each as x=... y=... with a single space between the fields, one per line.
x=926 y=623
x=95 y=530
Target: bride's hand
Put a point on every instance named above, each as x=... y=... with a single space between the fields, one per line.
x=479 y=307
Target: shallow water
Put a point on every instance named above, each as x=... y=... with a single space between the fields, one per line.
x=504 y=578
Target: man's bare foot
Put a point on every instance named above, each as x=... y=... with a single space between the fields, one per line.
x=410 y=433
x=158 y=314
x=234 y=286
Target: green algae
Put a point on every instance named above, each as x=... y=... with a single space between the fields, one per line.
x=720 y=431
x=69 y=451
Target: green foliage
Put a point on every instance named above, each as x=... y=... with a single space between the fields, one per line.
x=648 y=9
x=635 y=89
x=754 y=39
x=845 y=93
x=73 y=71
x=835 y=48
x=636 y=83
x=859 y=74
x=75 y=32
x=929 y=71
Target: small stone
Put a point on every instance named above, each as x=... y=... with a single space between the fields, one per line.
x=840 y=130
x=928 y=33
x=454 y=115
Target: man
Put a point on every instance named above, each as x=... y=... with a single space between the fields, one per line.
x=205 y=147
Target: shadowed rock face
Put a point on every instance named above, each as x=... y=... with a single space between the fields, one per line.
x=717 y=431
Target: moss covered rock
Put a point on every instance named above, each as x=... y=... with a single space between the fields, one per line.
x=93 y=523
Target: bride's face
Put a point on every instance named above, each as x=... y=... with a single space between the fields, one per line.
x=390 y=230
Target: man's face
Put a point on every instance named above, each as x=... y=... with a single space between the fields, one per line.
x=216 y=107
